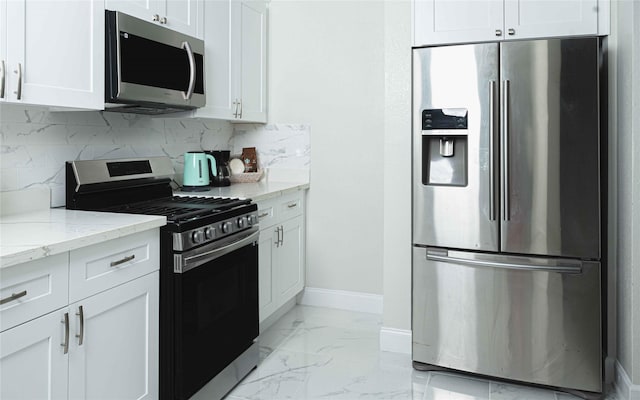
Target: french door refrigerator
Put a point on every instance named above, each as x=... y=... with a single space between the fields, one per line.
x=508 y=159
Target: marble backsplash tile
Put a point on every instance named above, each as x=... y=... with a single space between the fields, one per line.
x=35 y=143
x=277 y=145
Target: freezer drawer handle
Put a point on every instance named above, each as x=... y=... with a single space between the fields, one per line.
x=565 y=269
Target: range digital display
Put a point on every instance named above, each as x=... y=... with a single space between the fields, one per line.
x=125 y=168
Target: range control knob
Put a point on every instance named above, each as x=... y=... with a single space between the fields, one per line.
x=197 y=236
x=241 y=222
x=226 y=227
x=209 y=232
x=252 y=220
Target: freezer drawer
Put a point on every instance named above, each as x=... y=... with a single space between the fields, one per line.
x=526 y=319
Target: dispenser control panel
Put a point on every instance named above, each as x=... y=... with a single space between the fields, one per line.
x=444 y=119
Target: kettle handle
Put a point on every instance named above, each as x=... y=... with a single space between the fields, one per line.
x=214 y=169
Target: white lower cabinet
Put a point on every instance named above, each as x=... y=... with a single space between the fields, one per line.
x=281 y=260
x=118 y=356
x=33 y=364
x=102 y=346
x=289 y=259
x=266 y=294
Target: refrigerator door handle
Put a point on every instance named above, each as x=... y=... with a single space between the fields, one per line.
x=492 y=133
x=505 y=151
x=561 y=269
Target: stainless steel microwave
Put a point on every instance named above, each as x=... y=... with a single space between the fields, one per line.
x=151 y=69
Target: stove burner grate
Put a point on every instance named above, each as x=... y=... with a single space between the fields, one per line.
x=180 y=208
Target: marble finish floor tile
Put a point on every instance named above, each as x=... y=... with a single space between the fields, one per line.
x=320 y=353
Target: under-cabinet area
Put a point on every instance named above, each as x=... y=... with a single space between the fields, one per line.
x=75 y=323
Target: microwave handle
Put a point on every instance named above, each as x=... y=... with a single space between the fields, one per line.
x=192 y=72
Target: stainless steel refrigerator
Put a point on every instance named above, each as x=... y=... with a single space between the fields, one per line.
x=508 y=212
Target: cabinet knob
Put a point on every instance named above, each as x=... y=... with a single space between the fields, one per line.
x=156 y=18
x=498 y=32
x=163 y=20
x=511 y=31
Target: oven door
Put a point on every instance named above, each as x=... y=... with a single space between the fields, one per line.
x=215 y=308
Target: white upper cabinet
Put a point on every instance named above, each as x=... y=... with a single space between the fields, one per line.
x=535 y=18
x=453 y=21
x=3 y=51
x=251 y=85
x=235 y=52
x=186 y=16
x=52 y=53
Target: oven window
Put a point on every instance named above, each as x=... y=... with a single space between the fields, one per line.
x=216 y=316
x=150 y=63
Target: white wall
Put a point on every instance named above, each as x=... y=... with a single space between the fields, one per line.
x=625 y=47
x=397 y=159
x=326 y=69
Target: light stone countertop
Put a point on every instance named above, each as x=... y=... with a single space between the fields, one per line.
x=32 y=235
x=258 y=191
x=38 y=233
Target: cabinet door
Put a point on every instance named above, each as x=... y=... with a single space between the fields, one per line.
x=266 y=252
x=3 y=50
x=33 y=364
x=534 y=19
x=290 y=260
x=219 y=74
x=118 y=357
x=464 y=21
x=184 y=16
x=252 y=46
x=55 y=53
x=143 y=9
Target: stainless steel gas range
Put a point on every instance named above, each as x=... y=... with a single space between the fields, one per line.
x=208 y=270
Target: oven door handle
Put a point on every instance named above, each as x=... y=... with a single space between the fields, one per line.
x=183 y=263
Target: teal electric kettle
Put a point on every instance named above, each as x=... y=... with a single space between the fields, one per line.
x=196 y=171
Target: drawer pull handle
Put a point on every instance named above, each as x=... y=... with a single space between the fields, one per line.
x=124 y=260
x=264 y=214
x=292 y=205
x=14 y=296
x=65 y=345
x=80 y=336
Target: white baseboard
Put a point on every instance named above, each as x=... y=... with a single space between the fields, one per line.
x=391 y=339
x=395 y=340
x=625 y=388
x=341 y=299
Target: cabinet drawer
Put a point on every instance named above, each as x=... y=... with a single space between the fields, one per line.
x=33 y=289
x=102 y=266
x=290 y=206
x=266 y=213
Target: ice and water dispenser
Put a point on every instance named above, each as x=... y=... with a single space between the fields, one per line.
x=444 y=147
